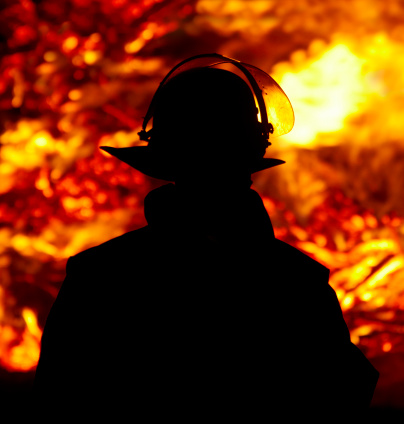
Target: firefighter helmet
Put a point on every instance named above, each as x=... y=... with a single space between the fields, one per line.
x=210 y=97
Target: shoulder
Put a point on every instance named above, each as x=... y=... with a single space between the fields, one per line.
x=113 y=250
x=310 y=295
x=295 y=262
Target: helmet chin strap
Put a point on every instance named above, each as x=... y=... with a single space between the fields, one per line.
x=145 y=135
x=268 y=129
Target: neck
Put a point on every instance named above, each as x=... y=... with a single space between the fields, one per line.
x=231 y=213
x=211 y=188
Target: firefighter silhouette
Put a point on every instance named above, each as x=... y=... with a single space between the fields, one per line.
x=202 y=314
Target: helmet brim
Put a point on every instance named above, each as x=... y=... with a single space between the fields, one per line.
x=147 y=161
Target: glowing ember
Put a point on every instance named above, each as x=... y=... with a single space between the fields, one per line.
x=77 y=74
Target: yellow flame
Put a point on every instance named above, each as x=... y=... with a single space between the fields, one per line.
x=92 y=56
x=324 y=92
x=21 y=352
x=135 y=45
x=31 y=322
x=392 y=266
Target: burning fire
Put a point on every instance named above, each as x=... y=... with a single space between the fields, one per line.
x=18 y=350
x=77 y=74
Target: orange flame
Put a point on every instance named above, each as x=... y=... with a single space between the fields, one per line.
x=69 y=84
x=20 y=351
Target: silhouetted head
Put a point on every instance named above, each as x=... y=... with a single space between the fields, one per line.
x=205 y=121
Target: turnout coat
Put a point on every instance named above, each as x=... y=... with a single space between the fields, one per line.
x=199 y=315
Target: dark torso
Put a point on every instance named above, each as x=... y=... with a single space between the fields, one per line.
x=169 y=320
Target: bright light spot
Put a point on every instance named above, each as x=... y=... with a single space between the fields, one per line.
x=340 y=293
x=24 y=129
x=379 y=302
x=320 y=240
x=347 y=302
x=75 y=94
x=324 y=93
x=387 y=346
x=6 y=169
x=70 y=43
x=92 y=56
x=135 y=45
x=41 y=141
x=358 y=222
x=364 y=330
x=147 y=34
x=392 y=266
x=20 y=242
x=31 y=322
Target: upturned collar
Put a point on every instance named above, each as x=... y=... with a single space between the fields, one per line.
x=220 y=217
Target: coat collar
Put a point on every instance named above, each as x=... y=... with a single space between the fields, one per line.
x=167 y=209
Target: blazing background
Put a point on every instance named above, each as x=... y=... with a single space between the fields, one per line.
x=77 y=74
